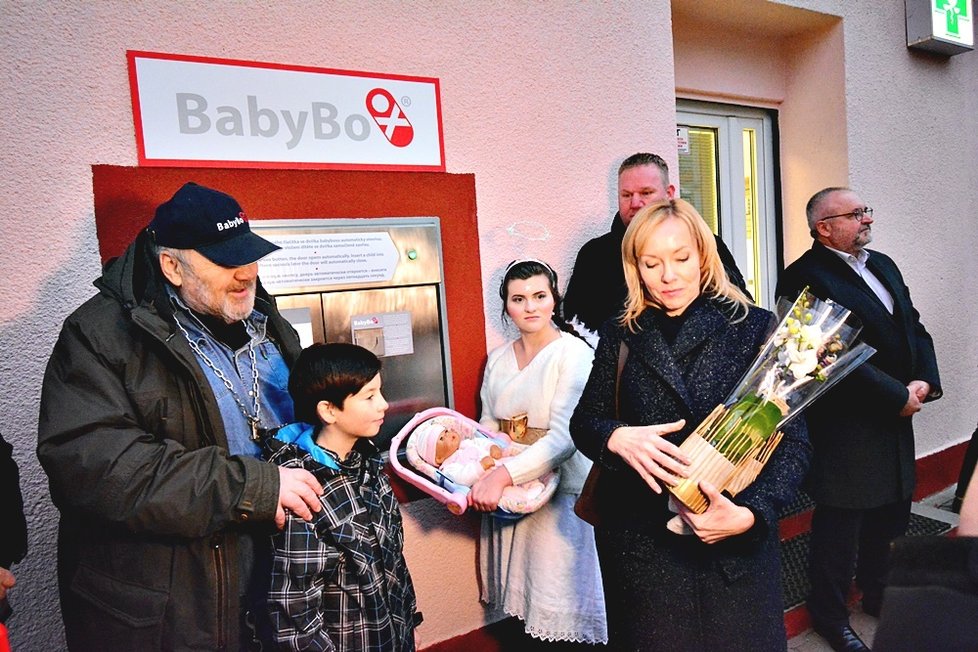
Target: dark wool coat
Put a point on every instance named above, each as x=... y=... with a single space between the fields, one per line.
x=596 y=290
x=659 y=384
x=154 y=510
x=864 y=450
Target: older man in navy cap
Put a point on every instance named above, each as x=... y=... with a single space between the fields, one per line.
x=154 y=400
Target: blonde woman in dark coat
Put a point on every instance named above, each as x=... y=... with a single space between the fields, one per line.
x=690 y=336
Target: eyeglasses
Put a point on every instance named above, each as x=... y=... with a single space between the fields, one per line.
x=856 y=214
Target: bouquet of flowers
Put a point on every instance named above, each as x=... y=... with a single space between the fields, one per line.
x=811 y=350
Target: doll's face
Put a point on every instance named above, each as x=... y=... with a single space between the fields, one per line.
x=448 y=442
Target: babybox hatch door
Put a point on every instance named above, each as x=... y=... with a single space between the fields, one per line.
x=376 y=282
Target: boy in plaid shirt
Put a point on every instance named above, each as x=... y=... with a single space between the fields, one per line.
x=340 y=582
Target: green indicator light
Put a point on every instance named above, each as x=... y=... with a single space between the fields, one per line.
x=412 y=254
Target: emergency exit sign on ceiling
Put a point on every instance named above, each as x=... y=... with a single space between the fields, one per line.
x=941 y=26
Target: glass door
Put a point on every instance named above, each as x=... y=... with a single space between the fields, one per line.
x=726 y=170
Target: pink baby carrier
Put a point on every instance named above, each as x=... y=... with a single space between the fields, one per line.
x=427 y=478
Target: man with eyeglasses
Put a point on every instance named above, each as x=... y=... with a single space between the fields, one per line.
x=862 y=475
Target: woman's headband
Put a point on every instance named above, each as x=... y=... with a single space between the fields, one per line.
x=550 y=270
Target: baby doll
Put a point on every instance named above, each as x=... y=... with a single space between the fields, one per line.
x=461 y=460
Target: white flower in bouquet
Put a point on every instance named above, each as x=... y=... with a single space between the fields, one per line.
x=799 y=361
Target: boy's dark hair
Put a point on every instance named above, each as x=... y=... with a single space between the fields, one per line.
x=329 y=372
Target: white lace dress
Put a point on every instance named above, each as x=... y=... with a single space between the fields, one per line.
x=543 y=568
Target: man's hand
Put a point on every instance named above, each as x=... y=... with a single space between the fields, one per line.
x=7 y=582
x=914 y=401
x=919 y=387
x=299 y=493
x=723 y=518
x=652 y=456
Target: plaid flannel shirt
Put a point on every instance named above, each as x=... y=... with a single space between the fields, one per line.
x=341 y=582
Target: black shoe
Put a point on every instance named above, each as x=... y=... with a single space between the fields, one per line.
x=842 y=638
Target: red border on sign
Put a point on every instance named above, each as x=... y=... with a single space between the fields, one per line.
x=132 y=55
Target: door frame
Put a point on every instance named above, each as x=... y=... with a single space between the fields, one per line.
x=729 y=120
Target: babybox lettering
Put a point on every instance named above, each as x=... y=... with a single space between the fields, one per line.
x=208 y=110
x=323 y=120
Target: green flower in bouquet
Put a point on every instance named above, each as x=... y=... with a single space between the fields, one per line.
x=744 y=426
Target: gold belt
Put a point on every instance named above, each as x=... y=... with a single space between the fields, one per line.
x=518 y=430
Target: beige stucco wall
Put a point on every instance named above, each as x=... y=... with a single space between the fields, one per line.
x=912 y=134
x=540 y=102
x=856 y=107
x=777 y=57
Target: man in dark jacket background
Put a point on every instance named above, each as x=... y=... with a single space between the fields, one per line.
x=153 y=401
x=596 y=290
x=862 y=475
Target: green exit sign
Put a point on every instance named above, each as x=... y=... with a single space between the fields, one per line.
x=942 y=26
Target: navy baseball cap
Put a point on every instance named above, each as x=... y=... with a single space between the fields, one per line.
x=211 y=223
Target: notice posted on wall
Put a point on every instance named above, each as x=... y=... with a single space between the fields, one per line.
x=385 y=334
x=323 y=259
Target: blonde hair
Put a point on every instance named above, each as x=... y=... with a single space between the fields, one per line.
x=713 y=277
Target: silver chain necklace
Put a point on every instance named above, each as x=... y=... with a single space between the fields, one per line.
x=253 y=421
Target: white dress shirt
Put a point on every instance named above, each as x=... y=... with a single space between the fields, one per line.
x=858 y=264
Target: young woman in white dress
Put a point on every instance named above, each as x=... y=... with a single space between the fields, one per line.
x=542 y=568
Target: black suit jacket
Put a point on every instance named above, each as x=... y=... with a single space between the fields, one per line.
x=864 y=451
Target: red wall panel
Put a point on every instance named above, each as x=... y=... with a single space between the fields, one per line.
x=126 y=198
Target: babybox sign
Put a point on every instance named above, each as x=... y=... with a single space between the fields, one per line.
x=218 y=112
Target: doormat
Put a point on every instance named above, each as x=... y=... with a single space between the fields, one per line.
x=794 y=558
